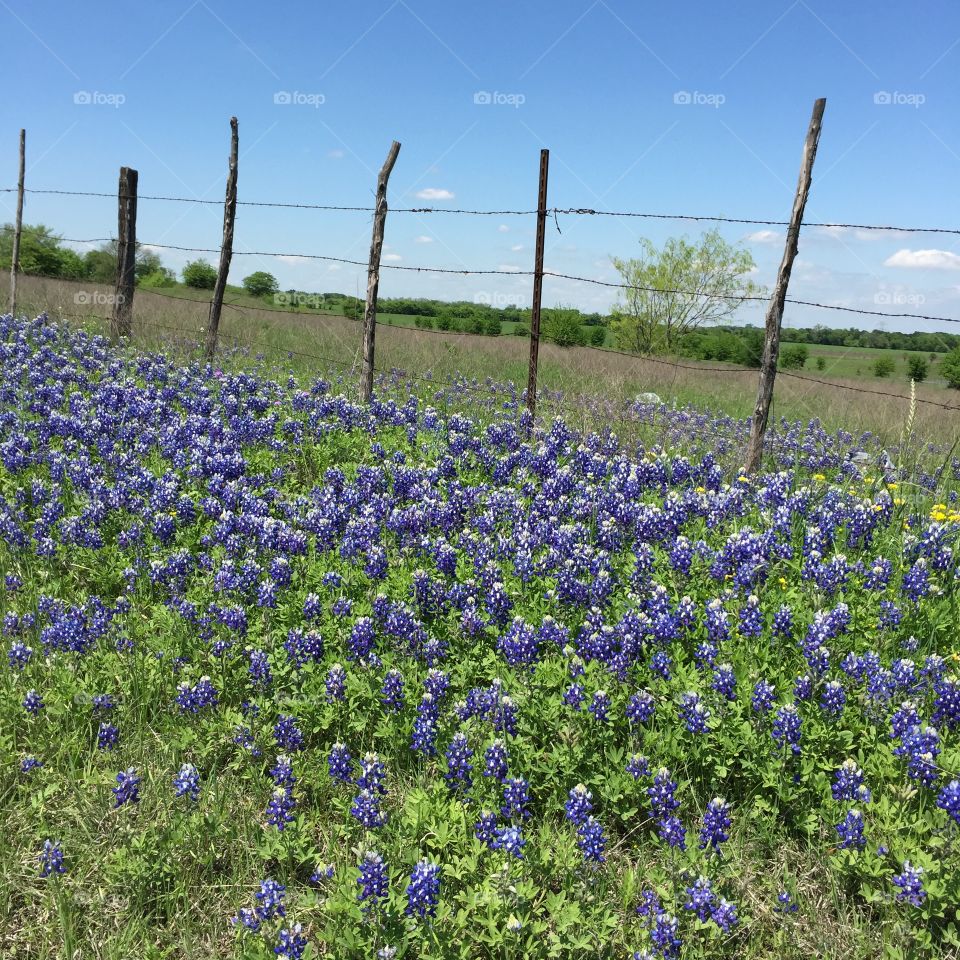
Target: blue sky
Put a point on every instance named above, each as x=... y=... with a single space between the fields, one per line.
x=601 y=83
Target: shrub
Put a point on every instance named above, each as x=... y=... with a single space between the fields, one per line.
x=491 y=327
x=423 y=322
x=159 y=278
x=950 y=368
x=521 y=330
x=794 y=357
x=598 y=336
x=821 y=363
x=562 y=327
x=199 y=275
x=444 y=322
x=260 y=284
x=917 y=369
x=883 y=367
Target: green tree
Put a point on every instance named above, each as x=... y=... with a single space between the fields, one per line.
x=794 y=357
x=950 y=368
x=41 y=253
x=562 y=326
x=199 y=275
x=491 y=326
x=598 y=336
x=917 y=368
x=678 y=288
x=260 y=284
x=163 y=277
x=883 y=366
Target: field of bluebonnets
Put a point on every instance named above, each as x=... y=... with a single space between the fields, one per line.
x=287 y=676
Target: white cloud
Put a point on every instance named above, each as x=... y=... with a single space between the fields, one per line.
x=334 y=266
x=924 y=260
x=336 y=154
x=503 y=228
x=517 y=247
x=424 y=239
x=508 y=267
x=391 y=256
x=435 y=193
x=293 y=259
x=763 y=236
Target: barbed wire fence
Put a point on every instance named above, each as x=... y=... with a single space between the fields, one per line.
x=127 y=237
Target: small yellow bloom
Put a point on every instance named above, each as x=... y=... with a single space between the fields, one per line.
x=819 y=476
x=892 y=486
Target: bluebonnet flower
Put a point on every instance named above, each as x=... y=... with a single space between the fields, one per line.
x=127 y=789
x=848 y=783
x=485 y=828
x=366 y=809
x=187 y=782
x=785 y=903
x=949 y=799
x=591 y=840
x=107 y=736
x=574 y=696
x=916 y=581
x=282 y=772
x=243 y=737
x=725 y=681
x=921 y=747
x=196 y=698
x=280 y=808
x=910 y=885
x=103 y=703
x=509 y=839
x=638 y=766
x=763 y=696
x=340 y=763
x=425 y=726
x=751 y=620
x=946 y=703
x=579 y=804
x=786 y=728
x=372 y=774
x=600 y=705
x=33 y=702
x=392 y=691
x=665 y=936
x=423 y=890
x=850 y=831
x=640 y=707
x=291 y=943
x=904 y=719
x=803 y=687
x=716 y=824
x=783 y=623
x=700 y=898
x=661 y=793
x=459 y=767
x=495 y=760
x=51 y=859
x=287 y=734
x=259 y=669
x=28 y=764
x=520 y=644
x=661 y=663
x=270 y=899
x=373 y=880
x=649 y=907
x=672 y=832
x=19 y=655
x=336 y=683
x=515 y=799
x=694 y=714
x=362 y=639
x=833 y=698
x=724 y=915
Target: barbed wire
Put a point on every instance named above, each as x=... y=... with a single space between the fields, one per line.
x=549 y=211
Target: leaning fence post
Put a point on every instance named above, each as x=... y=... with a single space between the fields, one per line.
x=373 y=274
x=537 y=283
x=18 y=227
x=226 y=249
x=121 y=321
x=771 y=345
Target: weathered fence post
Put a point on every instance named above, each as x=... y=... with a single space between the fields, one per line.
x=226 y=248
x=121 y=321
x=771 y=344
x=18 y=227
x=537 y=283
x=373 y=274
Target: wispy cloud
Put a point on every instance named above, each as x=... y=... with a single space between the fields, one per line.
x=435 y=193
x=763 y=236
x=423 y=239
x=924 y=260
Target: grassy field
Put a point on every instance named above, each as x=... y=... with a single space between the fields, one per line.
x=857 y=362
x=567 y=373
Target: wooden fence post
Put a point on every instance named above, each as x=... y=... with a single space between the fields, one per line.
x=373 y=274
x=771 y=344
x=226 y=248
x=537 y=283
x=121 y=321
x=18 y=227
